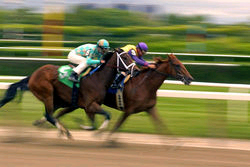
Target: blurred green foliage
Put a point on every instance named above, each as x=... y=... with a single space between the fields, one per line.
x=163 y=33
x=106 y=18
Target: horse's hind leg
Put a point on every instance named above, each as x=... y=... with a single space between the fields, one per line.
x=49 y=116
x=45 y=94
x=41 y=121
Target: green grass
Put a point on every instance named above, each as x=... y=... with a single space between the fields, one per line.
x=194 y=88
x=184 y=117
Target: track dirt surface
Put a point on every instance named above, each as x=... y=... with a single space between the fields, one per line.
x=18 y=150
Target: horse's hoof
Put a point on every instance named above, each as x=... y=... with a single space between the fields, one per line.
x=36 y=123
x=69 y=136
x=90 y=128
x=60 y=133
x=112 y=144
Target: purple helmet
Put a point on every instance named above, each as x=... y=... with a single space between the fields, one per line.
x=142 y=46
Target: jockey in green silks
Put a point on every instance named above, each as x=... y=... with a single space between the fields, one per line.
x=87 y=55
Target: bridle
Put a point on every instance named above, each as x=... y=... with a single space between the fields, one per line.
x=166 y=75
x=162 y=73
x=127 y=67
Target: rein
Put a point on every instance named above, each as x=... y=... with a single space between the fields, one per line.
x=166 y=75
x=132 y=65
x=125 y=66
x=162 y=73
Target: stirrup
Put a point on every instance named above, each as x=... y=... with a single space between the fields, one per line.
x=73 y=78
x=116 y=86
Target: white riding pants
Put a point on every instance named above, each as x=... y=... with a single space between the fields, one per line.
x=76 y=59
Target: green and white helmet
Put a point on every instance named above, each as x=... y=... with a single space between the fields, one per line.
x=103 y=43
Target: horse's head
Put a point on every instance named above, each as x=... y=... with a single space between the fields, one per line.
x=174 y=68
x=122 y=62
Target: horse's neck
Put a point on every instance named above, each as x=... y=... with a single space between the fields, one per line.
x=105 y=76
x=154 y=79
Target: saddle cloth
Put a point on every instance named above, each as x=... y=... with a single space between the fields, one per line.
x=119 y=94
x=65 y=71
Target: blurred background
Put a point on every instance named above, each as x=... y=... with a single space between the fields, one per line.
x=211 y=37
x=52 y=28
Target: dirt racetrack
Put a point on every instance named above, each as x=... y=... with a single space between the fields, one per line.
x=24 y=149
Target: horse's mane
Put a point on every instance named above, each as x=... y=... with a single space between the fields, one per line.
x=107 y=57
x=157 y=62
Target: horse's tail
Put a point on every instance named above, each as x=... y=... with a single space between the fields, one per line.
x=12 y=90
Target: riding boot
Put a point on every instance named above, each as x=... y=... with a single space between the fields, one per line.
x=73 y=77
x=116 y=84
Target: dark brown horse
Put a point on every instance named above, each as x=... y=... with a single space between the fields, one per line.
x=44 y=84
x=140 y=92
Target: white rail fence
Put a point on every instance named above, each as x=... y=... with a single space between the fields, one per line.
x=161 y=93
x=153 y=53
x=181 y=94
x=204 y=95
x=66 y=60
x=246 y=86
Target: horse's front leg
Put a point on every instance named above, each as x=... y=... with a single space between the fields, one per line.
x=91 y=116
x=160 y=126
x=93 y=109
x=118 y=124
x=163 y=129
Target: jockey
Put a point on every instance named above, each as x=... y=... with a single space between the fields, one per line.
x=86 y=55
x=136 y=53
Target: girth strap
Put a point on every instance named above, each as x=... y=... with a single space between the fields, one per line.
x=74 y=98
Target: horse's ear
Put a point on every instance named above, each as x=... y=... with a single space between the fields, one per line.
x=157 y=59
x=170 y=57
x=118 y=50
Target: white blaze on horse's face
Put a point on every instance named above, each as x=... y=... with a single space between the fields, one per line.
x=129 y=67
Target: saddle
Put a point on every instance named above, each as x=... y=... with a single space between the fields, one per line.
x=65 y=71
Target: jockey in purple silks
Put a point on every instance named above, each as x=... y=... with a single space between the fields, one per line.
x=136 y=53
